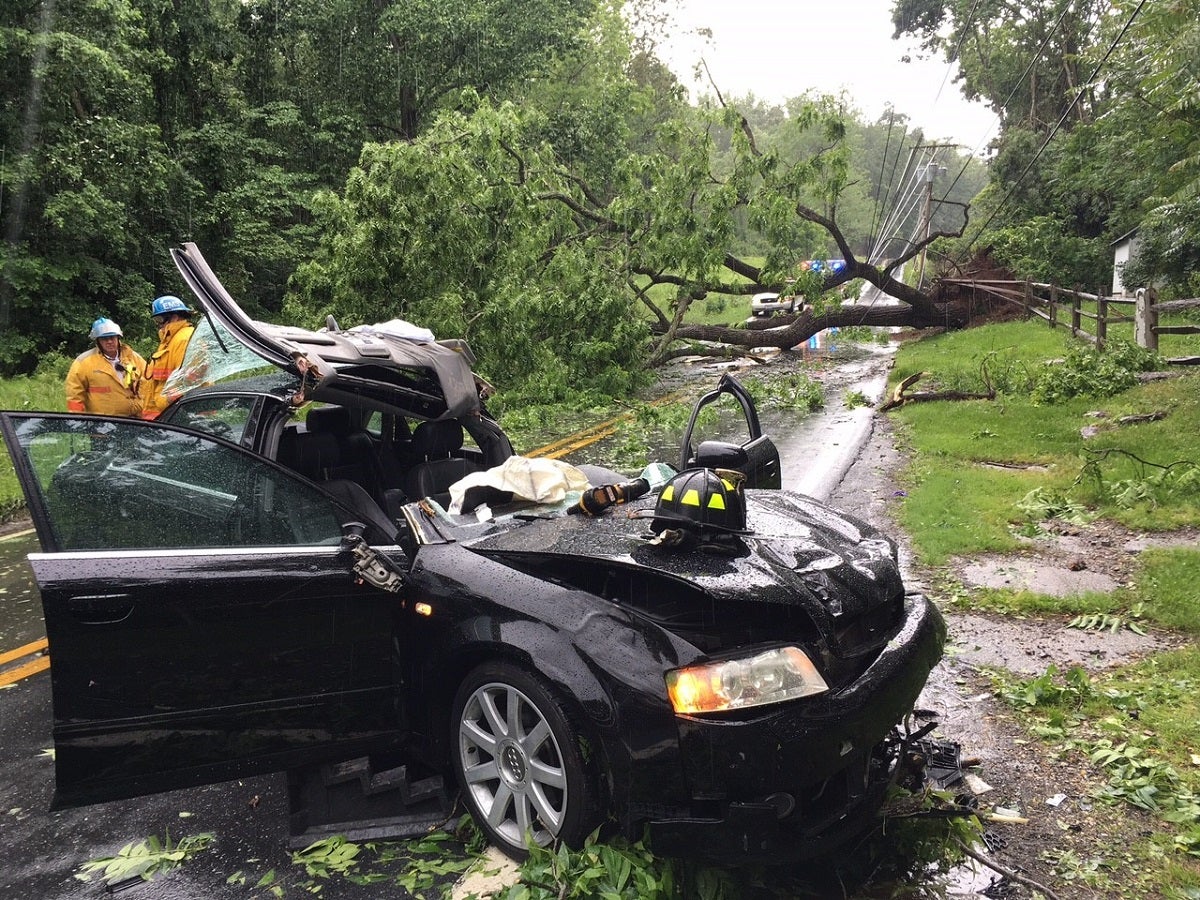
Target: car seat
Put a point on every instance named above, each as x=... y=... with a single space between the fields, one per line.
x=435 y=443
x=358 y=455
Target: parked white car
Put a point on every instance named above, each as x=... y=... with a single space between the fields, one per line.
x=769 y=303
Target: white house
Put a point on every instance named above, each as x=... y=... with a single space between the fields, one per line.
x=1123 y=248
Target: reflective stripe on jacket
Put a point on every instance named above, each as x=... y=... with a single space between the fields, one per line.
x=94 y=386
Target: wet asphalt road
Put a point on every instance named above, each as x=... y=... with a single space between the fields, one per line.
x=20 y=605
x=45 y=849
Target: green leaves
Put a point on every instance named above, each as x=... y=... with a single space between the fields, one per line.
x=1087 y=372
x=1049 y=690
x=1041 y=503
x=614 y=870
x=1104 y=622
x=1140 y=779
x=145 y=859
x=334 y=855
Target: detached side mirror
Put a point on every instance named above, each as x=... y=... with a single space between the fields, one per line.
x=352 y=535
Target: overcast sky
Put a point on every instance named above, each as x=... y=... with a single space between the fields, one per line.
x=781 y=48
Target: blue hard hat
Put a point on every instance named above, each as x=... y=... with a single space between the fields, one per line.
x=168 y=304
x=103 y=328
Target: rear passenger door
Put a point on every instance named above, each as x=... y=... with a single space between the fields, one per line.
x=202 y=619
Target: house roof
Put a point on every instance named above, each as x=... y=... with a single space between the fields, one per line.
x=1126 y=236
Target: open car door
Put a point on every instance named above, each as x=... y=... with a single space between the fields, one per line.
x=203 y=619
x=750 y=452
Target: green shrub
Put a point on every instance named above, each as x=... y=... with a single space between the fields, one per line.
x=1088 y=372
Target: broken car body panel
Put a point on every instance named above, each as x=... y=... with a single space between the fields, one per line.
x=335 y=365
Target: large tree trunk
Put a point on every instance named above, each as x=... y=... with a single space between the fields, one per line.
x=788 y=331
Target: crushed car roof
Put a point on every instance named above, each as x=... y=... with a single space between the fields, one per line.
x=385 y=369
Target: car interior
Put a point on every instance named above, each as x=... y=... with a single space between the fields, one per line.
x=397 y=463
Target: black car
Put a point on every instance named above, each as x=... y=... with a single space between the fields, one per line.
x=267 y=578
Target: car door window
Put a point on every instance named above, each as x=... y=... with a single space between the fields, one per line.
x=126 y=484
x=729 y=420
x=226 y=417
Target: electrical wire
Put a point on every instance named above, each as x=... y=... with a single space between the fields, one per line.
x=1037 y=54
x=903 y=209
x=877 y=213
x=1067 y=112
x=953 y=56
x=902 y=198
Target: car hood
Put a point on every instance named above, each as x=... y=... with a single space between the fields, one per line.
x=365 y=365
x=798 y=551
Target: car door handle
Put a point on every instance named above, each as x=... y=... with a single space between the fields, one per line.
x=101 y=609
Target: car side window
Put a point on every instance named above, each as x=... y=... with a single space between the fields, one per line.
x=374 y=426
x=226 y=417
x=109 y=484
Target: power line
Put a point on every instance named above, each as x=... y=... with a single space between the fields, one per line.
x=1067 y=112
x=1034 y=57
x=912 y=197
x=877 y=214
x=953 y=56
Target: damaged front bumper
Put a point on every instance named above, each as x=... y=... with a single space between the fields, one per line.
x=804 y=778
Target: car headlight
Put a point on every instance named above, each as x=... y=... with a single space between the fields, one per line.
x=785 y=673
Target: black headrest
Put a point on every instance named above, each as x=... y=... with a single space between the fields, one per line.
x=440 y=438
x=328 y=420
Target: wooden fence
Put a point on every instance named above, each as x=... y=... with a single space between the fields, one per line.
x=1088 y=316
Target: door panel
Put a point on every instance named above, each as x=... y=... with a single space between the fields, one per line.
x=201 y=616
x=749 y=451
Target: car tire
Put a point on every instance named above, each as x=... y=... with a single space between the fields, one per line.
x=519 y=763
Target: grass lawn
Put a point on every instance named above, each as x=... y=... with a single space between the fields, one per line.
x=984 y=474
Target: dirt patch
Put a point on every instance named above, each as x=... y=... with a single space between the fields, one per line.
x=19 y=521
x=1064 y=833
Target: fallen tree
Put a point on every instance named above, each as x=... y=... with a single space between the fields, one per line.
x=800 y=181
x=478 y=229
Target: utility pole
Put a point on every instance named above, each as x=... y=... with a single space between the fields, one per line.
x=932 y=170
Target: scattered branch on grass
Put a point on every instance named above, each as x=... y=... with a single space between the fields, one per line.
x=900 y=398
x=1098 y=456
x=1144 y=417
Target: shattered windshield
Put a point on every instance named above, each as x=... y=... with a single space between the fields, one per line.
x=214 y=355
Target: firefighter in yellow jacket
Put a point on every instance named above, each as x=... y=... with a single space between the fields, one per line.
x=107 y=378
x=175 y=328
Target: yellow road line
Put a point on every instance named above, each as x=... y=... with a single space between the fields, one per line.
x=24 y=671
x=15 y=535
x=580 y=439
x=593 y=433
x=23 y=651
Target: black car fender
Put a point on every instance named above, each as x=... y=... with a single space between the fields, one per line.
x=606 y=665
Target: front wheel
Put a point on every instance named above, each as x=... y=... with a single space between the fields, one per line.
x=518 y=761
